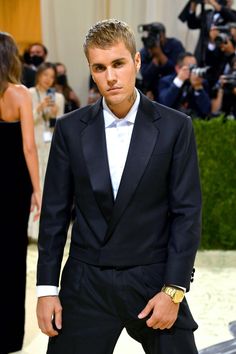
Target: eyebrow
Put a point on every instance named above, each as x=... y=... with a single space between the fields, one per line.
x=113 y=62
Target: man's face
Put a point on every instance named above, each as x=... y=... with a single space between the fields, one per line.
x=37 y=50
x=114 y=71
x=188 y=61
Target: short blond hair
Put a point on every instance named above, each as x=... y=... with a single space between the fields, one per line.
x=106 y=33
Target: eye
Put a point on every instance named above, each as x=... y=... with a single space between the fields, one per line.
x=98 y=68
x=118 y=64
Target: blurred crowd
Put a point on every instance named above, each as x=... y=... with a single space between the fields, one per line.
x=202 y=84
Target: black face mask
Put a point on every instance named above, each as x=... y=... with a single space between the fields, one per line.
x=62 y=79
x=36 y=60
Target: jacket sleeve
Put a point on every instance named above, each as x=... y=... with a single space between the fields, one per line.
x=193 y=21
x=167 y=92
x=184 y=208
x=56 y=211
x=228 y=14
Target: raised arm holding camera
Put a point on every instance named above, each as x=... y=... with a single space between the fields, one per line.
x=225 y=100
x=158 y=54
x=187 y=89
x=219 y=54
x=220 y=14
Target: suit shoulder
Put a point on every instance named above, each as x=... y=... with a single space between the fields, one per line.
x=78 y=116
x=168 y=113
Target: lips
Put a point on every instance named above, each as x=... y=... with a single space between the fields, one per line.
x=113 y=89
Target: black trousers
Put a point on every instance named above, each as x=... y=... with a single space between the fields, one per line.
x=98 y=302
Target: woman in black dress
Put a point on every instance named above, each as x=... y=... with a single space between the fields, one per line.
x=19 y=193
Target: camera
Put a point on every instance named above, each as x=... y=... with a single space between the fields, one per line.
x=223 y=36
x=153 y=38
x=230 y=80
x=201 y=72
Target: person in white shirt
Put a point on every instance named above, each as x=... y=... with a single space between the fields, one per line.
x=129 y=167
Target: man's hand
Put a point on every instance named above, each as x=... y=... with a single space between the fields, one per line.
x=196 y=81
x=158 y=56
x=48 y=308
x=214 y=4
x=164 y=311
x=184 y=73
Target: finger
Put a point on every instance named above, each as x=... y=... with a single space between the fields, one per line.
x=153 y=321
x=46 y=327
x=160 y=325
x=49 y=331
x=170 y=324
x=58 y=319
x=146 y=310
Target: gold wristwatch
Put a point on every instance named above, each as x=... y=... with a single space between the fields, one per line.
x=176 y=295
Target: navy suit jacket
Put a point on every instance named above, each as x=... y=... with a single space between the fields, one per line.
x=156 y=217
x=172 y=96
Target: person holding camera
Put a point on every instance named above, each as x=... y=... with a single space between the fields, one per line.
x=225 y=100
x=186 y=90
x=221 y=13
x=47 y=106
x=219 y=54
x=158 y=56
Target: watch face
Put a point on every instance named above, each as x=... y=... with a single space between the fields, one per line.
x=179 y=295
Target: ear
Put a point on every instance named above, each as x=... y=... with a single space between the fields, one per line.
x=137 y=61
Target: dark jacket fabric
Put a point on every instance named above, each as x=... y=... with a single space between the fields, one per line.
x=184 y=98
x=156 y=216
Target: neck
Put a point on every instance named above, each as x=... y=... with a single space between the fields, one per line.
x=121 y=110
x=40 y=88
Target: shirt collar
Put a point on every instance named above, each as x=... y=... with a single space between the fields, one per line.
x=110 y=118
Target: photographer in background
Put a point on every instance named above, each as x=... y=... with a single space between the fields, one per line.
x=186 y=90
x=226 y=96
x=219 y=54
x=158 y=56
x=220 y=14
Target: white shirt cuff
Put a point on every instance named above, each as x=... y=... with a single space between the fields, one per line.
x=46 y=290
x=179 y=287
x=178 y=82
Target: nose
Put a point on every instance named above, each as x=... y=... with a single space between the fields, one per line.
x=111 y=76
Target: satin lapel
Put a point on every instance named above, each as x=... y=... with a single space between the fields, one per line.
x=95 y=153
x=144 y=138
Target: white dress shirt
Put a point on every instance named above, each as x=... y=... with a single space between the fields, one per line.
x=118 y=135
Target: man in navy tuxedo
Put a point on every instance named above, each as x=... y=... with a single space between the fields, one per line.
x=129 y=167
